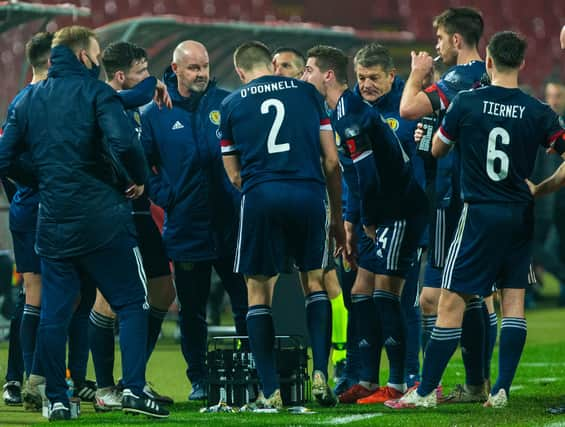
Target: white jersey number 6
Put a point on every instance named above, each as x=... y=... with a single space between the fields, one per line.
x=493 y=154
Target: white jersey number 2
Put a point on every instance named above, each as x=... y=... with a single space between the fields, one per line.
x=272 y=146
x=493 y=154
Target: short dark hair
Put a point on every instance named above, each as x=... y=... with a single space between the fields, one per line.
x=250 y=54
x=330 y=58
x=121 y=56
x=507 y=50
x=38 y=49
x=292 y=50
x=462 y=20
x=372 y=55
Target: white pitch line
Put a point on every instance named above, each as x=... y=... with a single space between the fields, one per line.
x=543 y=380
x=541 y=364
x=351 y=418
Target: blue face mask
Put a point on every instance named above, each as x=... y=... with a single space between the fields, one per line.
x=94 y=71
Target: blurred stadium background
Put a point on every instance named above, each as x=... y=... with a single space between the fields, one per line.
x=222 y=24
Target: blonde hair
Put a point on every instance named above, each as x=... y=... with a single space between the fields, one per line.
x=74 y=37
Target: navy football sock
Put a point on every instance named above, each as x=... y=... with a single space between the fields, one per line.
x=101 y=343
x=78 y=345
x=473 y=342
x=28 y=335
x=15 y=368
x=368 y=328
x=428 y=324
x=352 y=360
x=262 y=343
x=413 y=333
x=393 y=333
x=319 y=321
x=155 y=320
x=490 y=341
x=513 y=331
x=441 y=347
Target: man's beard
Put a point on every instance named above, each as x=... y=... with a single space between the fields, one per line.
x=199 y=85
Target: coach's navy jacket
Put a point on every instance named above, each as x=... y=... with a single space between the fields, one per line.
x=80 y=141
x=188 y=179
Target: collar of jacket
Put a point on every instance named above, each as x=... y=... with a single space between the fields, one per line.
x=391 y=100
x=65 y=63
x=189 y=104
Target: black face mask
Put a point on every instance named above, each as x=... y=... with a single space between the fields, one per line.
x=95 y=70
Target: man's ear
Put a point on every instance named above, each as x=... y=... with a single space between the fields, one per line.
x=457 y=40
x=522 y=65
x=489 y=64
x=240 y=73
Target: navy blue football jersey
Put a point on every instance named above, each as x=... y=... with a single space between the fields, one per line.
x=387 y=185
x=498 y=132
x=273 y=123
x=457 y=78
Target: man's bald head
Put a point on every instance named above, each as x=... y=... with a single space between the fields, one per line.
x=188 y=48
x=562 y=37
x=191 y=65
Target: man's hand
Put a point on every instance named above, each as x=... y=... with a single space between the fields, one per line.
x=162 y=96
x=350 y=253
x=134 y=191
x=532 y=187
x=370 y=231
x=338 y=234
x=418 y=133
x=422 y=65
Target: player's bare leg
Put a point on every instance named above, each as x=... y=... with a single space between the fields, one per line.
x=429 y=299
x=161 y=292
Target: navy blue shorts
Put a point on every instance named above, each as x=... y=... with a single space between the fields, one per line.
x=366 y=254
x=27 y=261
x=432 y=275
x=279 y=220
x=492 y=245
x=155 y=261
x=442 y=230
x=396 y=245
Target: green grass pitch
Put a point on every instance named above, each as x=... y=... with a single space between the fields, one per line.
x=539 y=383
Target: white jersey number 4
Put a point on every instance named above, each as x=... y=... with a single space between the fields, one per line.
x=272 y=146
x=493 y=154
